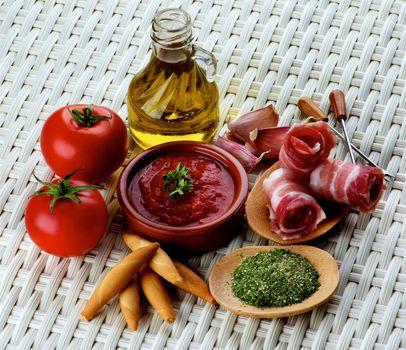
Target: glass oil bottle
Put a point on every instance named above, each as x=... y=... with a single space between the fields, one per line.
x=173 y=97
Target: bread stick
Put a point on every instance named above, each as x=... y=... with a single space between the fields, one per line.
x=154 y=290
x=130 y=303
x=161 y=263
x=117 y=279
x=193 y=283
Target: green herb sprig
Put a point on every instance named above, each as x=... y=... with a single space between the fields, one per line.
x=177 y=181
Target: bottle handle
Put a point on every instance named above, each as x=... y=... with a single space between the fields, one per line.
x=208 y=61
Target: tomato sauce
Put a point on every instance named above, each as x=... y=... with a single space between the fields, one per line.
x=211 y=195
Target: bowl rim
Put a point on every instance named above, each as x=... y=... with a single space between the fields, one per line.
x=203 y=148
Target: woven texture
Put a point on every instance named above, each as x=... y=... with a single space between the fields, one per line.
x=57 y=52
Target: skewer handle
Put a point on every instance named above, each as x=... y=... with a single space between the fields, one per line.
x=308 y=107
x=337 y=100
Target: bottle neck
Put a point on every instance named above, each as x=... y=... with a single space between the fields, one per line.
x=172 y=36
x=173 y=55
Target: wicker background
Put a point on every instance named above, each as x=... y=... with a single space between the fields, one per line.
x=58 y=52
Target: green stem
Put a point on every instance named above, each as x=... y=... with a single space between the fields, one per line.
x=86 y=116
x=62 y=190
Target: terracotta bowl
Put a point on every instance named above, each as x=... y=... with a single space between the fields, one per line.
x=194 y=238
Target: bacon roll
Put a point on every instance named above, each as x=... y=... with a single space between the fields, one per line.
x=293 y=211
x=305 y=146
x=359 y=186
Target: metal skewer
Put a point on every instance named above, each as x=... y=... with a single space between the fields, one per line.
x=337 y=100
x=308 y=107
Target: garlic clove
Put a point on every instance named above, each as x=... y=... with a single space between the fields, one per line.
x=244 y=156
x=269 y=140
x=250 y=148
x=261 y=118
x=229 y=136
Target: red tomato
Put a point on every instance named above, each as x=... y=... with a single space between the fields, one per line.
x=73 y=228
x=95 y=149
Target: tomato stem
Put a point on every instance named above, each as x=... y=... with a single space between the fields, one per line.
x=62 y=190
x=86 y=116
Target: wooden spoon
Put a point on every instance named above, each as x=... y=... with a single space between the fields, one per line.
x=258 y=214
x=220 y=281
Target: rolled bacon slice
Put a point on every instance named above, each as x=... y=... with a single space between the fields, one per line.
x=306 y=146
x=293 y=211
x=359 y=186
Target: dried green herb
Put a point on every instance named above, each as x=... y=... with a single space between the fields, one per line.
x=274 y=279
x=177 y=181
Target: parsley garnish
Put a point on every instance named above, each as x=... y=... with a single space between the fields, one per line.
x=177 y=181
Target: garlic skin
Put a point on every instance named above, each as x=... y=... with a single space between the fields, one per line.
x=261 y=118
x=268 y=140
x=229 y=136
x=250 y=148
x=244 y=156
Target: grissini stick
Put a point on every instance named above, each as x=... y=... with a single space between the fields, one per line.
x=161 y=263
x=308 y=107
x=130 y=303
x=154 y=290
x=337 y=99
x=193 y=283
x=117 y=279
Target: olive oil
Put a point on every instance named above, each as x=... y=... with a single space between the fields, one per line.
x=172 y=101
x=171 y=98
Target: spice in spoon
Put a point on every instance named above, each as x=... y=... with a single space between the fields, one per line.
x=275 y=278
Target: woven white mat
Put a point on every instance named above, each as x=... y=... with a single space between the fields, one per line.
x=57 y=52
